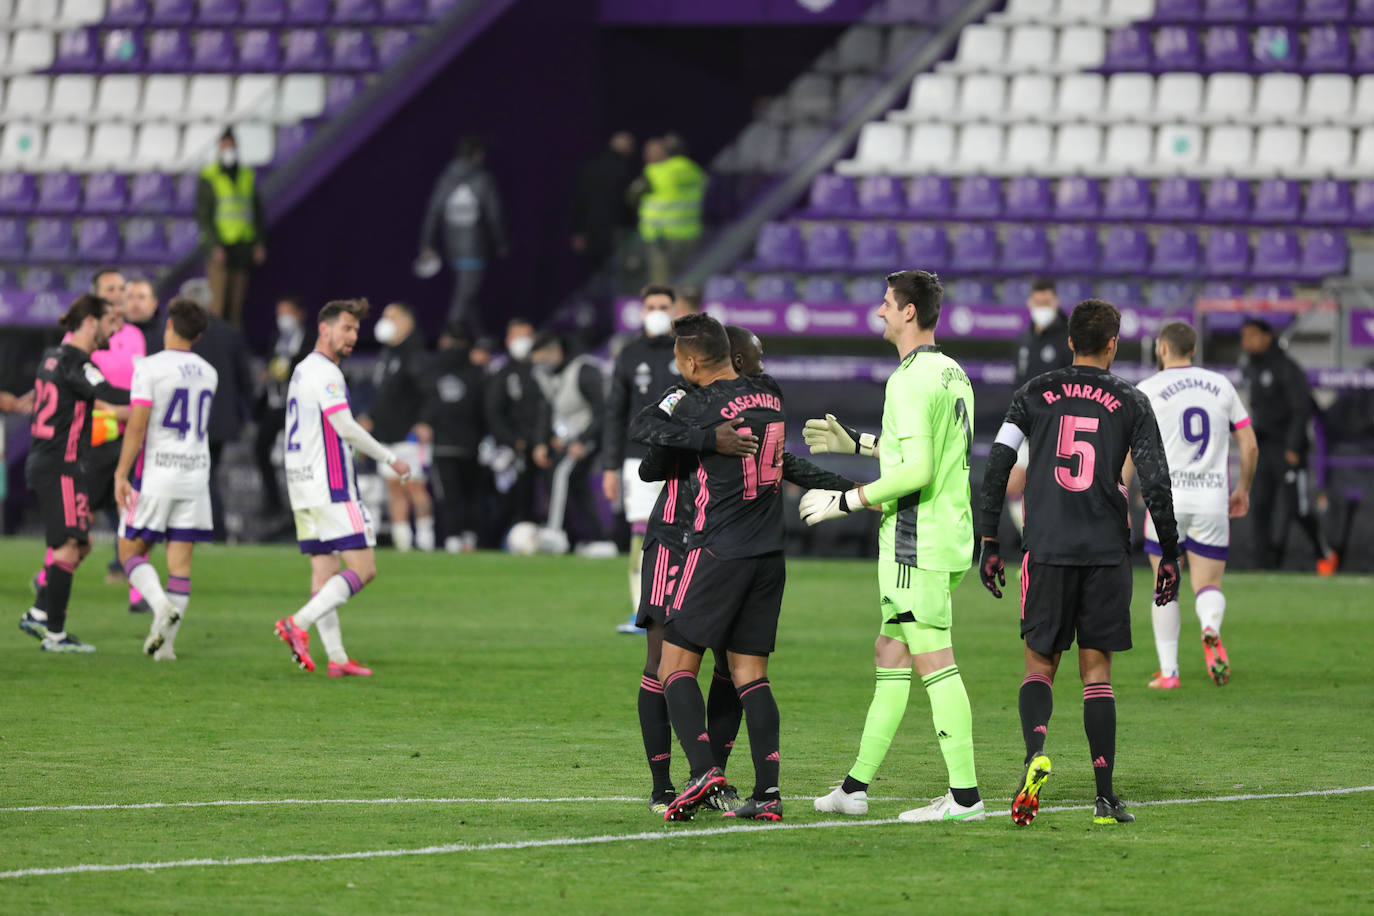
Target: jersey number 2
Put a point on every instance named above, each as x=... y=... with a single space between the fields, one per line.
x=293 y=425
x=1069 y=447
x=45 y=394
x=765 y=468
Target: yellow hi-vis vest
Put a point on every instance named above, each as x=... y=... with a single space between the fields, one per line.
x=672 y=207
x=233 y=203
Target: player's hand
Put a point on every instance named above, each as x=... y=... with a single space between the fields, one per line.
x=24 y=403
x=577 y=450
x=991 y=570
x=733 y=443
x=830 y=435
x=819 y=505
x=1239 y=504
x=610 y=486
x=1293 y=458
x=541 y=455
x=402 y=469
x=1166 y=582
x=123 y=491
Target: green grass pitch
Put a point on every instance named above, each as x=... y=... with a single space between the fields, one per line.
x=499 y=677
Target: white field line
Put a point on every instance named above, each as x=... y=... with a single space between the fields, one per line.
x=449 y=848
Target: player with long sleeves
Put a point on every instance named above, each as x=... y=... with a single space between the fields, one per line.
x=925 y=547
x=1082 y=423
x=331 y=521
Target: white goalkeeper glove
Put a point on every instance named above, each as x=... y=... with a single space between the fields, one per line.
x=830 y=435
x=819 y=505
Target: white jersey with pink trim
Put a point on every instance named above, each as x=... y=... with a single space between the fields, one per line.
x=178 y=388
x=1197 y=409
x=319 y=464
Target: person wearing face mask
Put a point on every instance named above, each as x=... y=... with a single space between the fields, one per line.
x=402 y=385
x=643 y=369
x=455 y=414
x=293 y=342
x=1043 y=347
x=517 y=417
x=232 y=227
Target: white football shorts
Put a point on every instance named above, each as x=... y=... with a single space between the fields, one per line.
x=334 y=527
x=413 y=454
x=638 y=496
x=1207 y=534
x=154 y=519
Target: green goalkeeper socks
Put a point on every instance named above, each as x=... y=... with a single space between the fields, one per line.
x=884 y=716
x=949 y=710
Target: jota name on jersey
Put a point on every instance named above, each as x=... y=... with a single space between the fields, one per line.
x=1087 y=392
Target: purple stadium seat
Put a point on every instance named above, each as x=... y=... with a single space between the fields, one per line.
x=1312 y=10
x=1364 y=51
x=339 y=91
x=1170 y=295
x=122 y=49
x=352 y=50
x=76 y=50
x=1277 y=254
x=1178 y=199
x=106 y=192
x=97 y=240
x=1014 y=292
x=43 y=280
x=1176 y=253
x=1073 y=291
x=151 y=193
x=1028 y=198
x=1127 y=198
x=900 y=12
x=1362 y=210
x=829 y=247
x=1276 y=48
x=145 y=240
x=1325 y=255
x=307 y=12
x=291 y=139
x=927 y=196
x=779 y=246
x=1178 y=10
x=263 y=12
x=1223 y=289
x=59 y=192
x=1283 y=10
x=1228 y=201
x=212 y=50
x=1327 y=50
x=1271 y=290
x=175 y=12
x=220 y=12
x=878 y=247
x=980 y=197
x=866 y=291
x=774 y=288
x=1176 y=48
x=183 y=238
x=259 y=51
x=392 y=45
x=975 y=250
x=1120 y=292
x=12 y=239
x=725 y=288
x=402 y=11
x=823 y=289
x=1328 y=203
x=1126 y=250
x=1129 y=48
x=1077 y=198
x=1362 y=11
x=126 y=12
x=1226 y=10
x=972 y=292
x=51 y=241
x=307 y=50
x=1025 y=250
x=1076 y=250
x=185 y=199
x=926 y=248
x=356 y=12
x=17 y=192
x=169 y=50
x=1226 y=49
x=1277 y=201
x=833 y=195
x=1228 y=253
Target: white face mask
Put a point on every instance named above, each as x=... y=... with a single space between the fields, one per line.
x=385 y=331
x=1042 y=316
x=228 y=158
x=520 y=347
x=657 y=323
x=287 y=324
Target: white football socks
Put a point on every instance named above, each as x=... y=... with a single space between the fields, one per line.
x=144 y=578
x=1166 y=621
x=401 y=535
x=1211 y=608
x=335 y=592
x=331 y=634
x=179 y=602
x=424 y=533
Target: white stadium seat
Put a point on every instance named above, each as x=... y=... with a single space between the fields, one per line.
x=1229 y=97
x=981 y=47
x=198 y=144
x=112 y=145
x=1230 y=150
x=1178 y=96
x=1278 y=98
x=931 y=148
x=73 y=96
x=80 y=12
x=1081 y=47
x=157 y=146
x=31 y=49
x=1363 y=164
x=22 y=145
x=980 y=148
x=33 y=12
x=760 y=147
x=982 y=96
x=1031 y=48
x=882 y=148
x=1071 y=11
x=255 y=95
x=1029 y=147
x=208 y=97
x=1327 y=151
x=1031 y=97
x=27 y=97
x=1278 y=150
x=1022 y=11
x=1129 y=149
x=1077 y=147
x=933 y=97
x=164 y=96
x=118 y=97
x=860 y=48
x=1178 y=149
x=67 y=145
x=255 y=140
x=1130 y=97
x=1363 y=112
x=1125 y=12
x=1329 y=98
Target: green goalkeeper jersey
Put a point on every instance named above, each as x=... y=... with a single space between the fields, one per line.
x=927 y=430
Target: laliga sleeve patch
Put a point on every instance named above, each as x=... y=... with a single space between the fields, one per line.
x=669 y=404
x=334 y=390
x=93 y=374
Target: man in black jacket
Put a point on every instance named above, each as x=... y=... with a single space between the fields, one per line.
x=600 y=213
x=517 y=417
x=1280 y=406
x=456 y=415
x=294 y=340
x=401 y=388
x=222 y=347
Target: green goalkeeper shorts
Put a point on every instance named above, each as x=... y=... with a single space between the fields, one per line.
x=915 y=602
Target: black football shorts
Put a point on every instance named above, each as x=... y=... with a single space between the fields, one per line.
x=659 y=572
x=1091 y=604
x=733 y=604
x=64 y=506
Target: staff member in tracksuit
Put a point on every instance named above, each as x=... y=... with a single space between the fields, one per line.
x=456 y=414
x=644 y=368
x=1280 y=406
x=517 y=417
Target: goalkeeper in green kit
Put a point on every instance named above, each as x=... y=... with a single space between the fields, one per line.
x=925 y=545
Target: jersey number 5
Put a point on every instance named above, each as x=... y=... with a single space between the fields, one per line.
x=765 y=468
x=1069 y=447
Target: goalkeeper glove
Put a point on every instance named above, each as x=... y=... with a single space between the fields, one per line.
x=1166 y=582
x=819 y=505
x=830 y=435
x=991 y=569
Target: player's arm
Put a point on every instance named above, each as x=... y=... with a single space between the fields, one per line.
x=121 y=412
x=1249 y=459
x=1299 y=397
x=91 y=385
x=1001 y=459
x=658 y=464
x=348 y=428
x=134 y=435
x=617 y=418
x=669 y=424
x=1152 y=466
x=591 y=384
x=797 y=470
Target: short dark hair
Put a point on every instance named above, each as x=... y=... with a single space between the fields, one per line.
x=332 y=310
x=403 y=306
x=187 y=318
x=1180 y=336
x=1092 y=326
x=548 y=339
x=1041 y=284
x=228 y=134
x=921 y=289
x=1259 y=324
x=704 y=337
x=744 y=348
x=295 y=301
x=95 y=277
x=519 y=321
x=657 y=289
x=87 y=305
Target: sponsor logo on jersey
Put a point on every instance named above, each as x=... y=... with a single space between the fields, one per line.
x=93 y=374
x=669 y=404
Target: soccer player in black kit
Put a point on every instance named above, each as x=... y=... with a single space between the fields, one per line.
x=65 y=392
x=1081 y=423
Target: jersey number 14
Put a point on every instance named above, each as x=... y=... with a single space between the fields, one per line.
x=765 y=468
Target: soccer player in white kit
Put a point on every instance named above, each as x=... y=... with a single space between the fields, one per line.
x=162 y=481
x=1196 y=409
x=331 y=520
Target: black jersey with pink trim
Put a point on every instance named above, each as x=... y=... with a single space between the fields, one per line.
x=65 y=389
